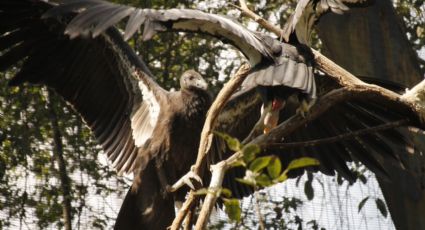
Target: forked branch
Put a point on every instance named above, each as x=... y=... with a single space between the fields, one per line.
x=206 y=136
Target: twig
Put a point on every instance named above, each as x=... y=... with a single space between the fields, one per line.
x=206 y=135
x=218 y=171
x=333 y=139
x=189 y=219
x=257 y=209
x=183 y=211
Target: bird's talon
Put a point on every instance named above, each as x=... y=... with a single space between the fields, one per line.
x=166 y=191
x=304 y=108
x=188 y=179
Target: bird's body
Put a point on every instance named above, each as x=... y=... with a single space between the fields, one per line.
x=184 y=115
x=146 y=204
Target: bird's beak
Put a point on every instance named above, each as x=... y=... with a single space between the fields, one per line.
x=202 y=84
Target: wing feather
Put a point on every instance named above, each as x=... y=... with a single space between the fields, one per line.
x=155 y=21
x=98 y=77
x=308 y=12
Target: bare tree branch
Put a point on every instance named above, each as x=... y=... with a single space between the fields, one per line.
x=258 y=211
x=337 y=138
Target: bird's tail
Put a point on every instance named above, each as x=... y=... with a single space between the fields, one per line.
x=145 y=207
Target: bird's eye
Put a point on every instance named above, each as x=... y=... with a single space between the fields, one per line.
x=191 y=78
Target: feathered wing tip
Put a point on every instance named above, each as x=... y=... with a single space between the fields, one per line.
x=94 y=17
x=96 y=76
x=308 y=12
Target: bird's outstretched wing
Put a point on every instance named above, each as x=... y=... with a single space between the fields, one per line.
x=95 y=16
x=102 y=78
x=308 y=12
x=371 y=149
x=274 y=63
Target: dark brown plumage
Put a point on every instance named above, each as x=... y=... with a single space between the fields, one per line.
x=170 y=151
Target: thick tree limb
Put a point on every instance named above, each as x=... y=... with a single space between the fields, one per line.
x=206 y=135
x=365 y=92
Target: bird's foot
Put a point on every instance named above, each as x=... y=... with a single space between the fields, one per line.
x=304 y=107
x=166 y=192
x=189 y=179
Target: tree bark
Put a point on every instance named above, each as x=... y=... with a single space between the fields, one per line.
x=65 y=182
x=372 y=42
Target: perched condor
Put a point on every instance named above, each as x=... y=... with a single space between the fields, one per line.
x=154 y=133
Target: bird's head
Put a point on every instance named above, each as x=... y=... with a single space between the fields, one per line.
x=191 y=79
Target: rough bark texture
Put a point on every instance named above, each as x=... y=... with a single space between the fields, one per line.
x=372 y=42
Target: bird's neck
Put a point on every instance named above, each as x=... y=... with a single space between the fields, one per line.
x=197 y=102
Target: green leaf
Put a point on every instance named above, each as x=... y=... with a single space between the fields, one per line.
x=233 y=209
x=238 y=163
x=380 y=204
x=260 y=163
x=302 y=162
x=282 y=177
x=249 y=152
x=362 y=203
x=274 y=168
x=263 y=180
x=226 y=192
x=233 y=143
x=247 y=182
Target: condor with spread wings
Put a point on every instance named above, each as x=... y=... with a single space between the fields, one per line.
x=279 y=69
x=152 y=132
